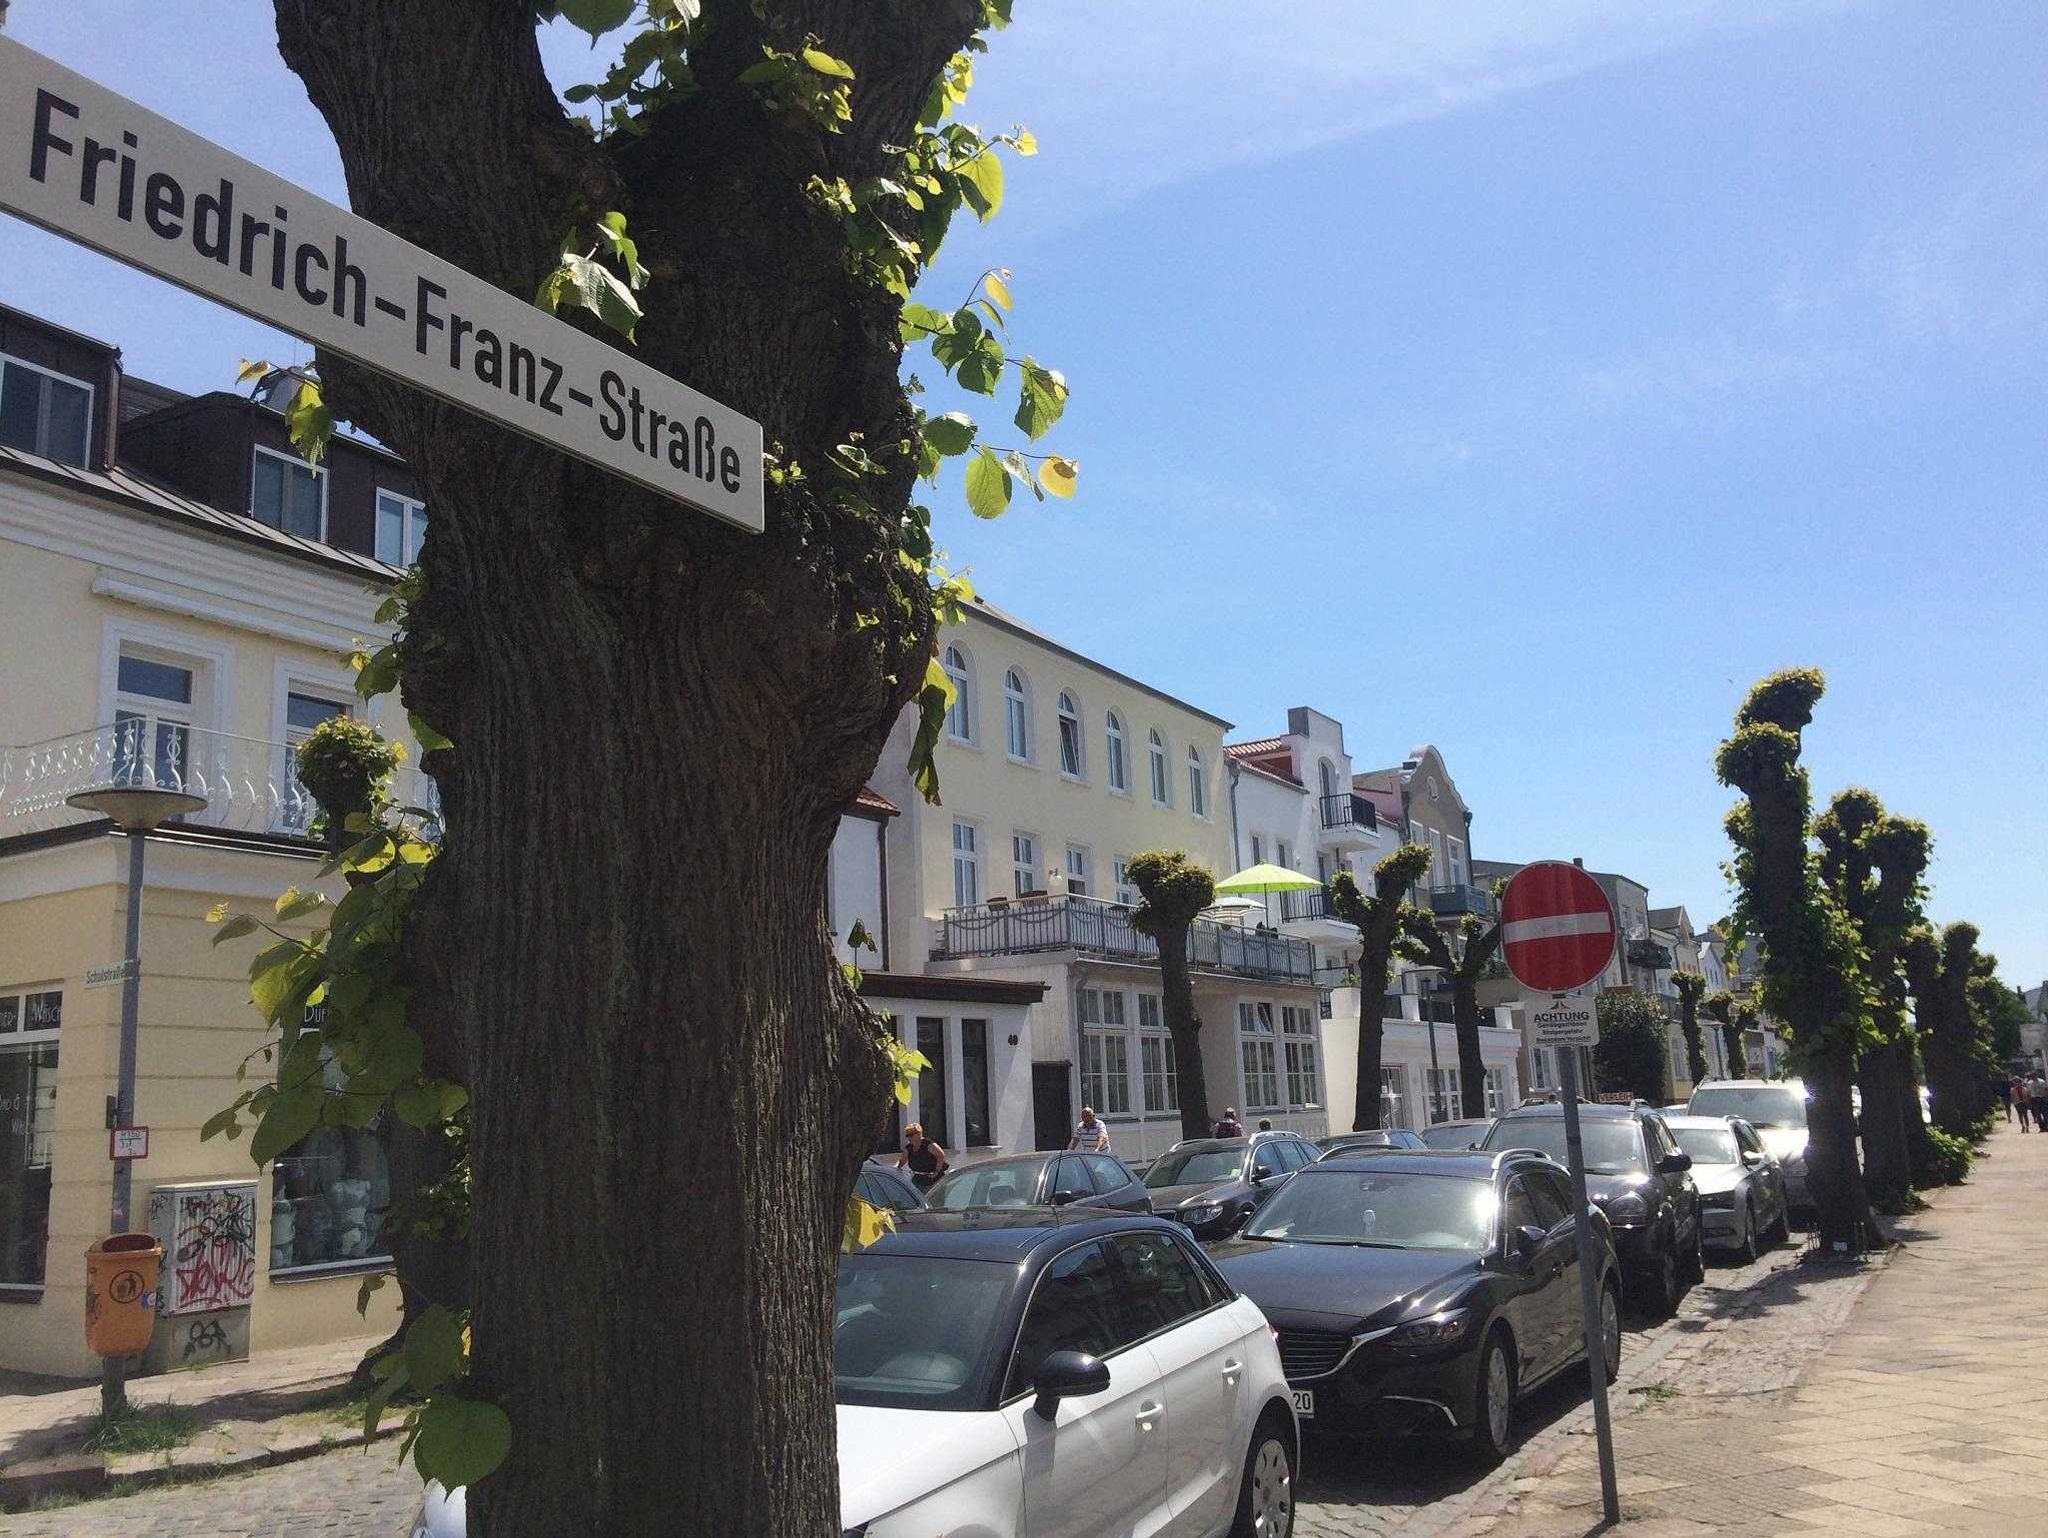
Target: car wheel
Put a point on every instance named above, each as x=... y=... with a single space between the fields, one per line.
x=1669 y=1288
x=1749 y=1249
x=1493 y=1404
x=1781 y=1231
x=1610 y=1329
x=1696 y=1252
x=1265 y=1501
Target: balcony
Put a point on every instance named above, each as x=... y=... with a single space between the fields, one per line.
x=1650 y=954
x=1097 y=928
x=248 y=785
x=1309 y=916
x=1456 y=901
x=1349 y=820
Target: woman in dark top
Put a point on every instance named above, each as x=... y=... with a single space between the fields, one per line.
x=925 y=1160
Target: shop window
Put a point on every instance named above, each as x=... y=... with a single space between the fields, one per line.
x=329 y=1193
x=30 y=1023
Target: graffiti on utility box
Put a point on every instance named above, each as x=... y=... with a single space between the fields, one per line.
x=209 y=1237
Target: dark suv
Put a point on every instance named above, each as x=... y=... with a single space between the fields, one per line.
x=1212 y=1184
x=1636 y=1174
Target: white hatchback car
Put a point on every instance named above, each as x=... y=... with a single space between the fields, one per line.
x=1056 y=1374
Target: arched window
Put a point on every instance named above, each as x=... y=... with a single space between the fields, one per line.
x=1198 y=791
x=1016 y=715
x=1113 y=754
x=1162 y=786
x=1071 y=761
x=960 y=715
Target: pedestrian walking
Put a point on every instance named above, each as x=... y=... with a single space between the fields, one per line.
x=2022 y=1101
x=1090 y=1136
x=1227 y=1125
x=2037 y=1101
x=925 y=1160
x=2006 y=1087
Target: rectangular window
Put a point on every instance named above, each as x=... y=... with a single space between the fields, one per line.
x=1304 y=1086
x=931 y=1081
x=1541 y=1073
x=1496 y=1091
x=1161 y=786
x=1260 y=1057
x=29 y=1026
x=1024 y=863
x=1393 y=1098
x=45 y=413
x=329 y=1192
x=1258 y=850
x=981 y=1132
x=302 y=712
x=1077 y=871
x=401 y=525
x=1070 y=746
x=1105 y=1060
x=1455 y=849
x=1125 y=892
x=1446 y=1102
x=966 y=867
x=1162 y=1082
x=288 y=494
x=1282 y=857
x=153 y=721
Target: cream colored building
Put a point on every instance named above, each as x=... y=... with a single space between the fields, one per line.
x=153 y=637
x=1055 y=770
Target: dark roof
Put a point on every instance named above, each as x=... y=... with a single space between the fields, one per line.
x=1001 y=1233
x=139 y=397
x=948 y=987
x=872 y=802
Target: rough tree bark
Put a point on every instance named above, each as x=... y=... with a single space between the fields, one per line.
x=1733 y=1019
x=1462 y=967
x=1172 y=889
x=1691 y=986
x=1384 y=922
x=657 y=721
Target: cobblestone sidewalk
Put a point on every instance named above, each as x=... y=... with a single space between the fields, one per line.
x=1924 y=1414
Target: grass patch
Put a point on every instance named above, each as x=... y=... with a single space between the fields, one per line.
x=1659 y=1392
x=142 y=1429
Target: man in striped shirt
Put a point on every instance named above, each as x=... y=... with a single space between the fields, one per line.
x=1090 y=1136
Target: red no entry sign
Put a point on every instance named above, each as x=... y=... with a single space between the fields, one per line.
x=1557 y=927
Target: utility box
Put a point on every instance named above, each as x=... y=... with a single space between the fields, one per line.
x=208 y=1232
x=120 y=1293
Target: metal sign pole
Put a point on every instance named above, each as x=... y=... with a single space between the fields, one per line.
x=1589 y=1287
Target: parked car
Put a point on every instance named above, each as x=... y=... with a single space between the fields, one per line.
x=1742 y=1188
x=1455 y=1135
x=1423 y=1292
x=1036 y=1372
x=1777 y=1109
x=1041 y=1180
x=881 y=1185
x=1211 y=1184
x=1637 y=1174
x=1385 y=1137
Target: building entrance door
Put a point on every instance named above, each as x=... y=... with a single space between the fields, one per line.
x=1052 y=1104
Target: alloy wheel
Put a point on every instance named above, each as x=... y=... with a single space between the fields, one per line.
x=1500 y=1396
x=1610 y=1332
x=1272 y=1491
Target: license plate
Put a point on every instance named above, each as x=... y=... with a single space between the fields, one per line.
x=1304 y=1402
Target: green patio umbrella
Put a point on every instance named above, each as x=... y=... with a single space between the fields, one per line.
x=1265 y=878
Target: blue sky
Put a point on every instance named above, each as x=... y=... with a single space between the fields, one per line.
x=1522 y=377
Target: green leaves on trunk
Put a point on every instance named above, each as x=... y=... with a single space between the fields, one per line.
x=579 y=279
x=308 y=422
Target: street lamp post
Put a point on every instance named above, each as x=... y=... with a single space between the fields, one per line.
x=135 y=810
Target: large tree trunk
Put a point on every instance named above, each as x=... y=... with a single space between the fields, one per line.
x=1184 y=1024
x=1365 y=1113
x=657 y=721
x=1831 y=1168
x=1887 y=1163
x=1471 y=1062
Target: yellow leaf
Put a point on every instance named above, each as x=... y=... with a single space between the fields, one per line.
x=1026 y=142
x=216 y=913
x=825 y=64
x=1058 y=476
x=998 y=290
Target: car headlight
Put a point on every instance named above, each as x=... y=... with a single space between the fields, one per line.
x=1627 y=1208
x=1437 y=1330
x=1206 y=1212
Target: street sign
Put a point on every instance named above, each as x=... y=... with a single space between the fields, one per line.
x=94 y=167
x=1563 y=1020
x=108 y=975
x=127 y=1142
x=1557 y=927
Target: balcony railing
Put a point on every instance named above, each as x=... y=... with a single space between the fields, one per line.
x=1346 y=811
x=1098 y=928
x=1307 y=905
x=1451 y=901
x=247 y=784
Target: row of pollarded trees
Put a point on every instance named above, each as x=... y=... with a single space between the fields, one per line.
x=1864 y=989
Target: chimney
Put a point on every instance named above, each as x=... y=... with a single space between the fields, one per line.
x=1579 y=860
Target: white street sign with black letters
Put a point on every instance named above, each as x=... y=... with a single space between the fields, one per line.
x=94 y=167
x=1563 y=1020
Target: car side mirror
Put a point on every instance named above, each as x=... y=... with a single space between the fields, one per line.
x=1674 y=1164
x=1524 y=1243
x=1064 y=1198
x=1752 y=1158
x=1066 y=1375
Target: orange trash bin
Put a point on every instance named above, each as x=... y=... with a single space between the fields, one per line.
x=120 y=1293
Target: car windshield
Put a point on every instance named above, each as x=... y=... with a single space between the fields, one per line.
x=1708 y=1145
x=1196 y=1166
x=1761 y=1105
x=1612 y=1147
x=914 y=1333
x=988 y=1185
x=1392 y=1210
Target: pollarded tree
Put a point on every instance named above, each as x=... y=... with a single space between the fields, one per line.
x=1872 y=864
x=1631 y=1056
x=657 y=719
x=1691 y=988
x=1172 y=889
x=1734 y=1016
x=1939 y=970
x=1812 y=976
x=1478 y=943
x=1385 y=921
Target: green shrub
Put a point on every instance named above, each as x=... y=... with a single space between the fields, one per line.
x=343 y=764
x=1948 y=1163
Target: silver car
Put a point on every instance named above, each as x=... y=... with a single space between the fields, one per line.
x=1777 y=1110
x=1742 y=1186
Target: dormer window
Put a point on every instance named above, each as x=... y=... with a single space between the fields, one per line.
x=401 y=526
x=45 y=413
x=288 y=494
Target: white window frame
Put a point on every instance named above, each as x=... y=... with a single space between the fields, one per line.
x=1125 y=892
x=1454 y=851
x=212 y=668
x=1105 y=1050
x=969 y=857
x=1016 y=715
x=92 y=407
x=1079 y=875
x=1258 y=1056
x=1394 y=1087
x=1159 y=768
x=1116 y=753
x=408 y=539
x=331 y=685
x=1302 y=1056
x=1198 y=782
x=1444 y=1089
x=1067 y=720
x=960 y=714
x=1024 y=862
x=1258 y=850
x=319 y=474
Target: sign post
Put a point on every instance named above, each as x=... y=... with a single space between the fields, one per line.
x=1557 y=936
